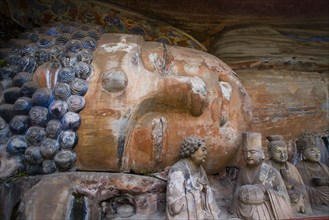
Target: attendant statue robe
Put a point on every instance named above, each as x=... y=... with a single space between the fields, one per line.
x=189 y=195
x=270 y=201
x=318 y=192
x=295 y=187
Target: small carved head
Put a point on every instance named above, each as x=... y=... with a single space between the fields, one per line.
x=306 y=143
x=277 y=148
x=195 y=148
x=252 y=148
x=312 y=154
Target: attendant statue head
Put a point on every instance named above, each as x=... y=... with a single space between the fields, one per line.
x=277 y=148
x=252 y=148
x=195 y=149
x=306 y=143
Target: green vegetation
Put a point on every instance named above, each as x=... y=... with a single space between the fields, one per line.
x=20 y=174
x=2 y=62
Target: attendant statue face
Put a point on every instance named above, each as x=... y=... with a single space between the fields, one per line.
x=195 y=149
x=306 y=143
x=277 y=148
x=253 y=155
x=252 y=148
x=200 y=155
x=312 y=154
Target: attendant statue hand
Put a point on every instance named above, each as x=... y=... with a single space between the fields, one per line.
x=293 y=195
x=204 y=186
x=252 y=194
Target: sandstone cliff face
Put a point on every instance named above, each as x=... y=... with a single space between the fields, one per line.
x=144 y=98
x=285 y=72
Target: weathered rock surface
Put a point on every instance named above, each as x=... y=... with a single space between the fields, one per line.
x=11 y=193
x=285 y=72
x=145 y=97
x=287 y=102
x=81 y=195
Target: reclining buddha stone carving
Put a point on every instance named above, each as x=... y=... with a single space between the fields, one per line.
x=130 y=102
x=145 y=97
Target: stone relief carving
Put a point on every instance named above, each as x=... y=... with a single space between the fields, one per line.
x=314 y=173
x=116 y=93
x=293 y=181
x=92 y=196
x=130 y=107
x=189 y=195
x=260 y=191
x=73 y=97
x=42 y=92
x=146 y=97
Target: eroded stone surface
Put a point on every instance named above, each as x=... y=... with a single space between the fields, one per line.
x=96 y=195
x=285 y=72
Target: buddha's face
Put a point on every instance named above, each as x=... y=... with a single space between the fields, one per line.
x=279 y=154
x=200 y=155
x=253 y=155
x=312 y=154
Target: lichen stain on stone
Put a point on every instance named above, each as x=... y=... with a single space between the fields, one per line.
x=156 y=61
x=226 y=90
x=198 y=86
x=114 y=47
x=191 y=67
x=111 y=64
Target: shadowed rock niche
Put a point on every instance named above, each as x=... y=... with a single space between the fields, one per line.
x=93 y=196
x=145 y=97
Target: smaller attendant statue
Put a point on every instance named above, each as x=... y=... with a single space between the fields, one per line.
x=260 y=191
x=314 y=173
x=278 y=151
x=189 y=195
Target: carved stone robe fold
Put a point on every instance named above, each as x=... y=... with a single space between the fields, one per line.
x=319 y=195
x=276 y=202
x=187 y=198
x=295 y=180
